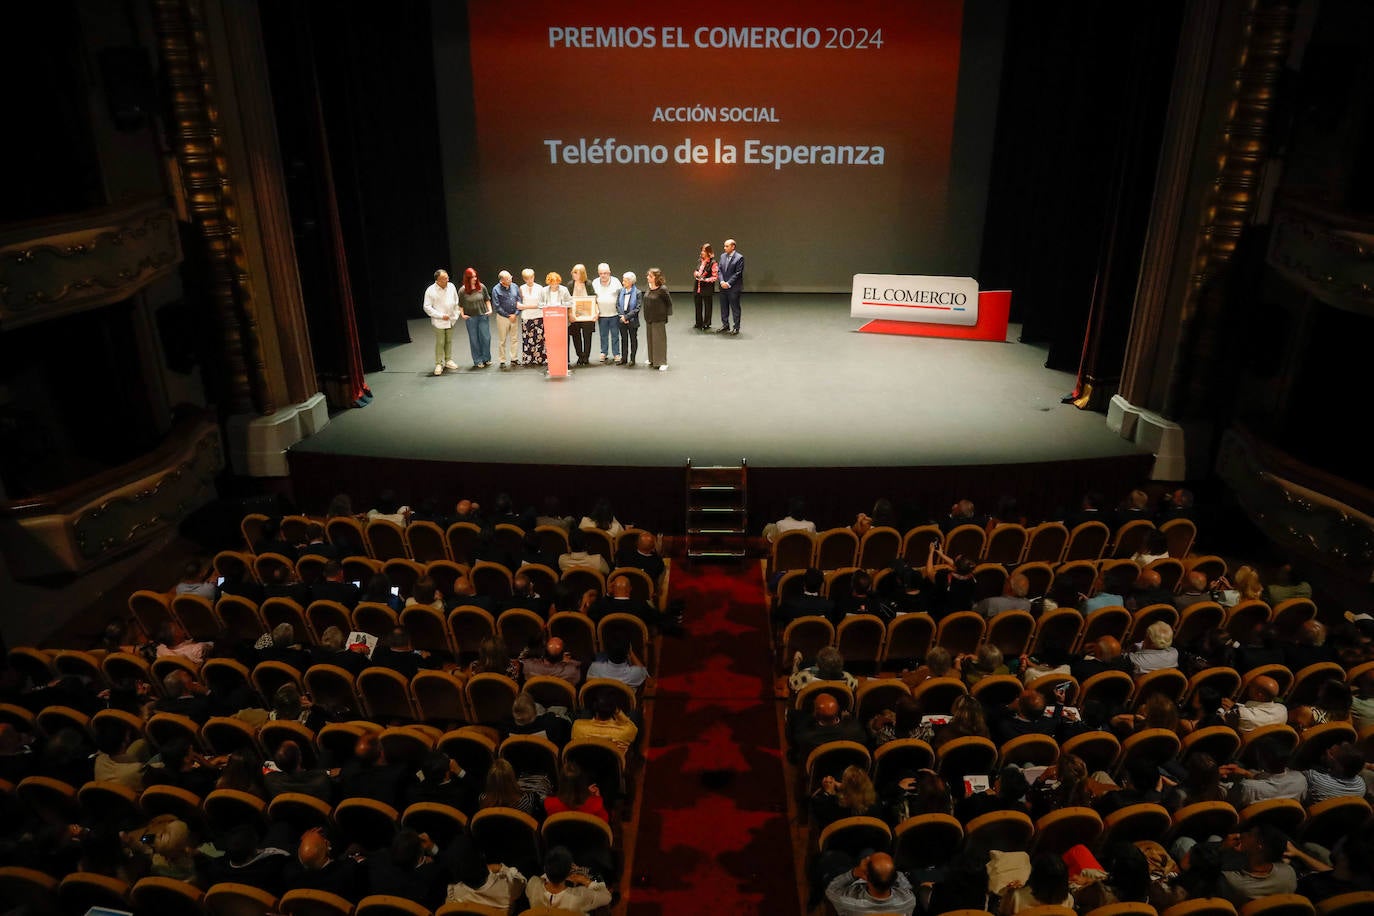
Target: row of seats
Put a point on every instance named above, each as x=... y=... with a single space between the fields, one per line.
x=425 y=541
x=155 y=896
x=1007 y=545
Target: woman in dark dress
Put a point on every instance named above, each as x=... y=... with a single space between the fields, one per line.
x=658 y=306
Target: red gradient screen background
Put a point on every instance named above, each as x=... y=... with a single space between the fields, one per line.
x=802 y=227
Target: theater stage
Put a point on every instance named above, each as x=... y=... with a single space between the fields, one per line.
x=798 y=389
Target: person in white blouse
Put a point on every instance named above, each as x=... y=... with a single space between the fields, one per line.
x=607 y=291
x=555 y=293
x=531 y=320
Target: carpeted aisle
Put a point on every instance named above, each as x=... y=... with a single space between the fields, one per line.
x=713 y=834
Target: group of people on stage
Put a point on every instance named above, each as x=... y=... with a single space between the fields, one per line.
x=620 y=308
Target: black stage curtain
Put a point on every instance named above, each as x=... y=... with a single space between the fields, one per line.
x=1083 y=100
x=375 y=76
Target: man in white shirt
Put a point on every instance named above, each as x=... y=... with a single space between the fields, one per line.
x=607 y=290
x=1259 y=709
x=441 y=305
x=560 y=887
x=796 y=508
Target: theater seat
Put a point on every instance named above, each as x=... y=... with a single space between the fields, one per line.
x=1061 y=830
x=384 y=905
x=230 y=899
x=927 y=840
x=1203 y=906
x=1279 y=905
x=303 y=901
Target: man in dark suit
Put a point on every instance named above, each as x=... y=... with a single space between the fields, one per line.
x=809 y=603
x=368 y=774
x=314 y=867
x=271 y=541
x=643 y=554
x=620 y=601
x=334 y=587
x=395 y=652
x=1103 y=655
x=407 y=869
x=731 y=285
x=282 y=583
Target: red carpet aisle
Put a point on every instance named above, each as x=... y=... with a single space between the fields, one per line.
x=713 y=834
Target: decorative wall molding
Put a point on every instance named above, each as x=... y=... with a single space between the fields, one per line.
x=108 y=516
x=51 y=268
x=1334 y=264
x=1312 y=518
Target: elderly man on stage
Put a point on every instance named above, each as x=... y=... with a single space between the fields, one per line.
x=441 y=305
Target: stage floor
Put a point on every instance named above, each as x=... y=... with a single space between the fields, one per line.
x=799 y=387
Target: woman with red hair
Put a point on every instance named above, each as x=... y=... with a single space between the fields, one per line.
x=474 y=303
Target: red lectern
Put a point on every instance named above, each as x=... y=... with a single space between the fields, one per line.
x=556 y=340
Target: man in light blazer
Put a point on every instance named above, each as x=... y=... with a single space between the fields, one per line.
x=627 y=307
x=731 y=285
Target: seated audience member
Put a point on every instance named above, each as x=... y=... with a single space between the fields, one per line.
x=608 y=722
x=952 y=589
x=504 y=512
x=553 y=662
x=465 y=595
x=938 y=663
x=1158 y=711
x=492 y=658
x=553 y=514
x=903 y=590
x=1311 y=648
x=172 y=639
x=368 y=774
x=121 y=754
x=1155 y=547
x=242 y=772
x=1264 y=873
x=283 y=647
x=443 y=782
x=829 y=667
x=523 y=594
x=1048 y=885
x=615 y=663
x=852 y=795
x=1090 y=509
x=1143 y=786
x=1260 y=647
x=504 y=790
x=396 y=652
x=1193 y=590
x=289 y=705
x=873 y=886
x=1127 y=881
x=1013 y=597
x=1065 y=784
x=1216 y=649
x=390 y=508
x=240 y=583
x=1348 y=871
x=1008 y=793
x=915 y=792
x=577 y=556
x=333 y=650
x=1202 y=784
x=563 y=888
x=642 y=554
x=620 y=600
x=986 y=662
x=825 y=723
x=966 y=720
x=1102 y=655
x=286 y=772
x=270 y=540
x=1287 y=584
x=576 y=792
x=378 y=590
x=496 y=886
x=1332 y=704
x=794 y=520
x=1136 y=507
x=1157 y=652
x=534 y=552
x=857 y=599
x=1025 y=716
x=1337 y=775
x=196 y=581
x=602 y=517
x=963 y=886
x=430 y=510
x=962 y=513
x=1269 y=779
x=468 y=510
x=810 y=603
x=1362 y=704
x=408 y=869
x=247 y=861
x=282 y=582
x=180 y=765
x=1109 y=590
x=1260 y=708
x=1147 y=590
x=316 y=868
x=426 y=594
x=900 y=722
x=334 y=587
x=185 y=696
x=317 y=545
x=527 y=719
x=1176 y=504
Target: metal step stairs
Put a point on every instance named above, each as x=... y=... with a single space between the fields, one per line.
x=717 y=511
